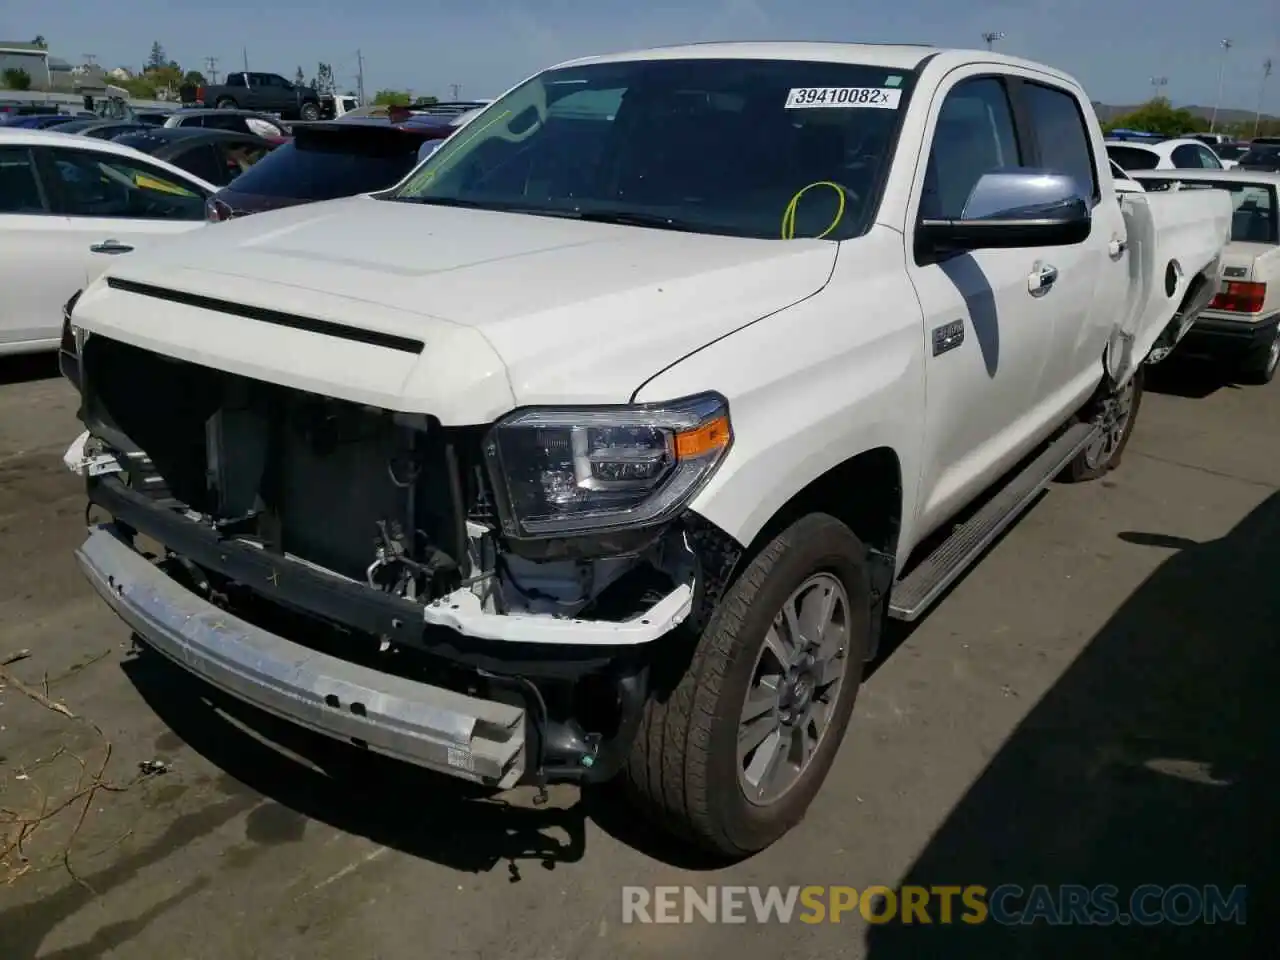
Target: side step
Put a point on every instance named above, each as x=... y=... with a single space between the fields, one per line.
x=913 y=594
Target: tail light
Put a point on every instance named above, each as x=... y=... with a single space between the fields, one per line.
x=199 y=94
x=216 y=211
x=1239 y=296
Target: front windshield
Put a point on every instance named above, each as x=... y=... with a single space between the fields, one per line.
x=753 y=148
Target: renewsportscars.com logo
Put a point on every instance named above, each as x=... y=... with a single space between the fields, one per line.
x=1009 y=905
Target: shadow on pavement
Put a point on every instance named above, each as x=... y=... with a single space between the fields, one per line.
x=26 y=367
x=390 y=803
x=1153 y=760
x=1191 y=377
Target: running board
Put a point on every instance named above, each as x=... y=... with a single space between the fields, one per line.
x=915 y=592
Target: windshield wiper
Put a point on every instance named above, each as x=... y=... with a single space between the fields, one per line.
x=634 y=218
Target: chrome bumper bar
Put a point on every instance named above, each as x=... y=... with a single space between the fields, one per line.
x=443 y=730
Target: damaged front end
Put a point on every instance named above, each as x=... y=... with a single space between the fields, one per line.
x=486 y=601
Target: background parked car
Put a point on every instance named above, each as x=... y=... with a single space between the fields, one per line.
x=1180 y=153
x=216 y=156
x=1261 y=156
x=239 y=121
x=325 y=160
x=1242 y=322
x=101 y=129
x=41 y=121
x=68 y=205
x=257 y=91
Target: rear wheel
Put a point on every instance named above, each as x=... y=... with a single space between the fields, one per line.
x=225 y=103
x=1115 y=412
x=309 y=111
x=734 y=755
x=1260 y=364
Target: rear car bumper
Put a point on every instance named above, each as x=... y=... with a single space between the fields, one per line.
x=1217 y=334
x=444 y=730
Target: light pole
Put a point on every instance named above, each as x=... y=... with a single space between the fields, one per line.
x=1158 y=84
x=1262 y=90
x=992 y=36
x=1213 y=120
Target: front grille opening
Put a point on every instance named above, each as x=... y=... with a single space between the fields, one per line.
x=361 y=491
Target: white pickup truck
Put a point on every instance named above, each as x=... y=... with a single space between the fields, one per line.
x=602 y=445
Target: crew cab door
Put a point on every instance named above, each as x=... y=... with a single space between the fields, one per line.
x=991 y=316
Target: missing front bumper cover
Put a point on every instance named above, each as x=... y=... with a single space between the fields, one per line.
x=464 y=736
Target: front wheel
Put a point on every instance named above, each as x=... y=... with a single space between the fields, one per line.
x=1114 y=412
x=733 y=756
x=309 y=112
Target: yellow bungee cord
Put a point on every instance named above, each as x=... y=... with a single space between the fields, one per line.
x=789 y=215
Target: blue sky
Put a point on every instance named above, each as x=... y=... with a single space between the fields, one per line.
x=1114 y=47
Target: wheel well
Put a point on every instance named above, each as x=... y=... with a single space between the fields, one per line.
x=864 y=493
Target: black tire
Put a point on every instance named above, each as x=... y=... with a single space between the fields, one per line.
x=1088 y=465
x=1260 y=364
x=684 y=768
x=309 y=112
x=226 y=103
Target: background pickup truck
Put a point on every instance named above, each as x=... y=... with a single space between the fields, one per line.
x=268 y=92
x=700 y=364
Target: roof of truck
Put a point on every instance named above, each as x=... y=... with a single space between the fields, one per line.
x=888 y=55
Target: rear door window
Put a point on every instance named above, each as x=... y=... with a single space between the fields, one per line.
x=1187 y=157
x=1133 y=158
x=1062 y=135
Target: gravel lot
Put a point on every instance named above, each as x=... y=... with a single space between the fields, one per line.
x=1090 y=705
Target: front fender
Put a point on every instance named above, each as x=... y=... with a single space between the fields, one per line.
x=810 y=387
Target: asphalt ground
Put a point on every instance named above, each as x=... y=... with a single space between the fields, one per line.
x=1092 y=704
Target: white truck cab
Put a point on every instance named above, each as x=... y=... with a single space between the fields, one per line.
x=602 y=445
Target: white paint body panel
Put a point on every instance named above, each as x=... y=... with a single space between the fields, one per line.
x=45 y=258
x=822 y=349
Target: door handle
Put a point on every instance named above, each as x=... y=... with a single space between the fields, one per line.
x=1116 y=248
x=110 y=246
x=1043 y=276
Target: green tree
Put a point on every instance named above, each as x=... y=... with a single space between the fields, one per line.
x=157 y=58
x=1159 y=116
x=391 y=98
x=41 y=42
x=15 y=78
x=299 y=80
x=195 y=78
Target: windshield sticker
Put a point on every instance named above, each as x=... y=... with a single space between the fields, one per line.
x=881 y=98
x=894 y=81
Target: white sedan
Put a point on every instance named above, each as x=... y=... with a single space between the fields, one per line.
x=1180 y=153
x=68 y=205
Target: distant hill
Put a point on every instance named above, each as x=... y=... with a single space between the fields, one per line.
x=1106 y=113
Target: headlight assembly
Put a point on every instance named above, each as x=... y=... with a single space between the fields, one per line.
x=571 y=471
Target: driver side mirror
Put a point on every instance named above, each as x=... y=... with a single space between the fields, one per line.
x=1010 y=209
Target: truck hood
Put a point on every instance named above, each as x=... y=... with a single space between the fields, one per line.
x=558 y=310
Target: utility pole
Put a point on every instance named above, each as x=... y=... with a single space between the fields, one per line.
x=991 y=37
x=1222 y=64
x=245 y=51
x=455 y=92
x=211 y=64
x=360 y=77
x=1262 y=91
x=1158 y=84
x=90 y=59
